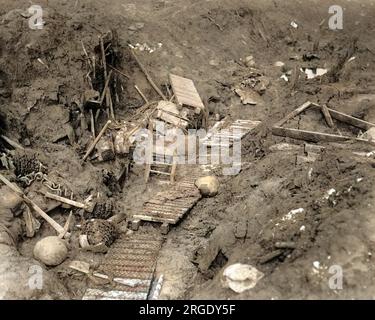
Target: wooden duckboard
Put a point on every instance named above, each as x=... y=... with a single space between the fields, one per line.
x=168 y=207
x=238 y=129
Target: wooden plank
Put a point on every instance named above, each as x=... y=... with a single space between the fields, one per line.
x=340 y=116
x=66 y=201
x=327 y=116
x=293 y=114
x=313 y=136
x=153 y=219
x=350 y=120
x=148 y=77
x=185 y=92
x=34 y=206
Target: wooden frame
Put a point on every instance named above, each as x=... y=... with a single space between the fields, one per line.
x=328 y=113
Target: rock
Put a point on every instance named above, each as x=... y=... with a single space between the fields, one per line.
x=370 y=134
x=136 y=26
x=279 y=64
x=8 y=199
x=213 y=62
x=241 y=277
x=52 y=251
x=247 y=96
x=249 y=61
x=208 y=186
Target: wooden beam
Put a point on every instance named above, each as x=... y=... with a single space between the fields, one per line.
x=91 y=148
x=141 y=94
x=340 y=116
x=65 y=200
x=34 y=206
x=327 y=116
x=351 y=120
x=293 y=114
x=154 y=219
x=313 y=136
x=14 y=144
x=152 y=83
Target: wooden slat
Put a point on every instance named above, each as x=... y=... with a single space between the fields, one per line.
x=313 y=136
x=185 y=91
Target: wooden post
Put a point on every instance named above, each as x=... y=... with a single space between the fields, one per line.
x=29 y=202
x=327 y=116
x=148 y=76
x=91 y=148
x=65 y=200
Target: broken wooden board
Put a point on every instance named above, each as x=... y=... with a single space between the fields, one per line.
x=223 y=134
x=186 y=93
x=169 y=207
x=312 y=136
x=133 y=259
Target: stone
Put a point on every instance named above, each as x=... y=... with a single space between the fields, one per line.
x=136 y=26
x=247 y=96
x=208 y=186
x=9 y=199
x=51 y=251
x=249 y=61
x=279 y=64
x=241 y=277
x=370 y=134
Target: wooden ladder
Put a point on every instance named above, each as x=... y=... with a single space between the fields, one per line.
x=155 y=165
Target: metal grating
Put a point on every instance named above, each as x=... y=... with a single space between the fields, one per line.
x=131 y=259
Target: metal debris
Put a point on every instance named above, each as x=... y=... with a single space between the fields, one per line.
x=132 y=258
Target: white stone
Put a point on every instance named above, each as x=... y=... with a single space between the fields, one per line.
x=279 y=64
x=241 y=277
x=208 y=186
x=52 y=251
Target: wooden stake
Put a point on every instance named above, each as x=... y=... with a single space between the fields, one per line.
x=30 y=222
x=111 y=104
x=327 y=116
x=141 y=93
x=91 y=148
x=66 y=226
x=29 y=202
x=118 y=71
x=66 y=200
x=92 y=123
x=293 y=114
x=14 y=144
x=104 y=60
x=148 y=76
x=104 y=93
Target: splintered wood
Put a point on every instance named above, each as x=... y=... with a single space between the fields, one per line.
x=168 y=207
x=313 y=136
x=221 y=134
x=131 y=263
x=185 y=92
